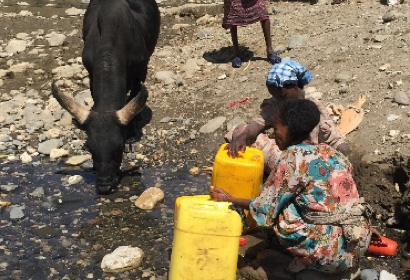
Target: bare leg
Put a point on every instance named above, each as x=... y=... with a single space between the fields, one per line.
x=272 y=56
x=266 y=33
x=234 y=35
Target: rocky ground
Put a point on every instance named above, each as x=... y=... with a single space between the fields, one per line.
x=359 y=47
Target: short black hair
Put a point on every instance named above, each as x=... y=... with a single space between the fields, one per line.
x=301 y=116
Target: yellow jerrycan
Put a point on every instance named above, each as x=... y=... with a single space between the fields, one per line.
x=241 y=176
x=206 y=239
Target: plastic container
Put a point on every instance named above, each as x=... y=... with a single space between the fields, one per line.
x=206 y=240
x=241 y=176
x=387 y=247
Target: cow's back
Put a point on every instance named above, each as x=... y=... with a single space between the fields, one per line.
x=144 y=11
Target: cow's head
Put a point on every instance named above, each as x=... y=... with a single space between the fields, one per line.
x=106 y=135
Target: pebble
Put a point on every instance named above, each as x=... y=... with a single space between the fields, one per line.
x=8 y=188
x=78 y=160
x=16 y=46
x=205 y=33
x=46 y=146
x=26 y=158
x=392 y=117
x=55 y=39
x=401 y=98
x=149 y=198
x=75 y=179
x=369 y=274
x=384 y=275
x=16 y=213
x=38 y=192
x=121 y=259
x=212 y=125
x=57 y=153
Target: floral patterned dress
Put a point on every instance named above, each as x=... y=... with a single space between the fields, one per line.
x=311 y=178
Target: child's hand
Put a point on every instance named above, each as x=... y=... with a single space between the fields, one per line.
x=376 y=236
x=219 y=194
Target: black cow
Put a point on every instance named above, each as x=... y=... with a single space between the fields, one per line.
x=119 y=38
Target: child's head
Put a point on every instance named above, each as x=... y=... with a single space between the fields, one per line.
x=286 y=80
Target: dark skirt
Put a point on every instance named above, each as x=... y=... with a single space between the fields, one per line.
x=243 y=12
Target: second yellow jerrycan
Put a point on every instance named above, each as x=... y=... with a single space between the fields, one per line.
x=241 y=176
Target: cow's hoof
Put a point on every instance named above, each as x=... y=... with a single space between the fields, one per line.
x=104 y=190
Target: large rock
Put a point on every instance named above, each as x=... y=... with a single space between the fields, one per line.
x=46 y=146
x=212 y=125
x=57 y=153
x=55 y=39
x=149 y=198
x=77 y=160
x=16 y=46
x=121 y=259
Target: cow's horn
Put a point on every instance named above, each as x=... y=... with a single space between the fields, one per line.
x=67 y=102
x=133 y=107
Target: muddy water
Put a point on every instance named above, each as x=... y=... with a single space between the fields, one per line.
x=68 y=230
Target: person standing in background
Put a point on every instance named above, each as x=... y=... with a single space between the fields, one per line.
x=241 y=13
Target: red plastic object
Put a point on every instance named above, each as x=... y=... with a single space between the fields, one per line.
x=240 y=102
x=242 y=241
x=387 y=247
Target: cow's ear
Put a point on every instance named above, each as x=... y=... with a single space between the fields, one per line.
x=133 y=107
x=80 y=113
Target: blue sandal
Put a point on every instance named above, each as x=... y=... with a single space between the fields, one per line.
x=236 y=62
x=274 y=58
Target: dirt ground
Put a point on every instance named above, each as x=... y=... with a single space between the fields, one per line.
x=353 y=39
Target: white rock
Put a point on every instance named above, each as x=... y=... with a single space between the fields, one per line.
x=55 y=39
x=26 y=158
x=222 y=77
x=25 y=13
x=149 y=198
x=74 y=11
x=393 y=133
x=384 y=275
x=392 y=117
x=53 y=133
x=77 y=160
x=121 y=259
x=21 y=67
x=16 y=46
x=75 y=179
x=57 y=153
x=21 y=35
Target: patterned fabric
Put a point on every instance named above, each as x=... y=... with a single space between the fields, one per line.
x=288 y=72
x=309 y=178
x=324 y=132
x=239 y=12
